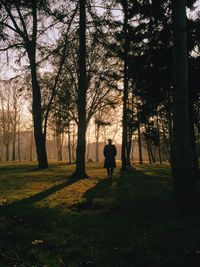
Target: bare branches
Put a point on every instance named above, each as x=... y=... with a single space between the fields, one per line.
x=8 y=26
x=62 y=61
x=11 y=16
x=17 y=45
x=21 y=19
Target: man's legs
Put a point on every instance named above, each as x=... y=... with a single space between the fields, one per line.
x=111 y=171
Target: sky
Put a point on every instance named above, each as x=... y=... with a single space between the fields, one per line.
x=10 y=70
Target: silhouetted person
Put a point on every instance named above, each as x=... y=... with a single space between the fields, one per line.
x=110 y=152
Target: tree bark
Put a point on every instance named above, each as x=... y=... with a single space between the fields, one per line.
x=150 y=144
x=73 y=143
x=59 y=142
x=88 y=144
x=159 y=146
x=14 y=130
x=97 y=142
x=125 y=93
x=80 y=171
x=69 y=145
x=40 y=139
x=139 y=138
x=7 y=152
x=193 y=139
x=147 y=143
x=129 y=146
x=183 y=164
x=19 y=145
x=31 y=147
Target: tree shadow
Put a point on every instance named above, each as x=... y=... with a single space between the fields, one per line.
x=95 y=198
x=129 y=190
x=101 y=190
x=39 y=196
x=24 y=168
x=144 y=194
x=17 y=170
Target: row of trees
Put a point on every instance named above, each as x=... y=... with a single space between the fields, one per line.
x=62 y=132
x=139 y=60
x=10 y=118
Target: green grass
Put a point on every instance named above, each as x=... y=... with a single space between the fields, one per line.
x=47 y=219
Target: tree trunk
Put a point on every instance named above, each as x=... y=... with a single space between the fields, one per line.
x=31 y=147
x=159 y=151
x=82 y=91
x=159 y=147
x=147 y=143
x=69 y=146
x=88 y=144
x=152 y=155
x=18 y=142
x=14 y=143
x=129 y=146
x=151 y=151
x=1 y=154
x=59 y=146
x=125 y=93
x=19 y=146
x=193 y=140
x=14 y=133
x=170 y=126
x=183 y=165
x=40 y=138
x=97 y=142
x=30 y=45
x=73 y=144
x=7 y=151
x=139 y=138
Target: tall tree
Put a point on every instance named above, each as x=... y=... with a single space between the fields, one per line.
x=80 y=171
x=125 y=90
x=29 y=42
x=183 y=162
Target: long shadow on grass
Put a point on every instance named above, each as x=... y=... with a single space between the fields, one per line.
x=41 y=195
x=145 y=195
x=101 y=190
x=13 y=170
x=94 y=197
x=135 y=206
x=133 y=190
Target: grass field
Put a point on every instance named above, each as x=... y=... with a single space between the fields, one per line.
x=48 y=219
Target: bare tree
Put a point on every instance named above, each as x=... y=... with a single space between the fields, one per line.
x=25 y=21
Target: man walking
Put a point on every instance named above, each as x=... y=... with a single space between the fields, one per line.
x=110 y=152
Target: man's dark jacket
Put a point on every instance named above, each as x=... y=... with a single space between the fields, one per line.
x=109 y=153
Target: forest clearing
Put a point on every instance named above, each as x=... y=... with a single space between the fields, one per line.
x=49 y=219
x=99 y=133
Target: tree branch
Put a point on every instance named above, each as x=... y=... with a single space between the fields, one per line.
x=17 y=29
x=11 y=46
x=62 y=61
x=21 y=19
